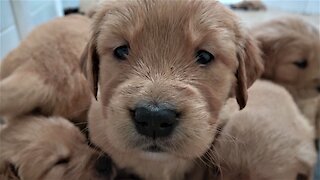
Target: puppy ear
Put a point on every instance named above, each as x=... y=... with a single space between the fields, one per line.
x=269 y=43
x=250 y=68
x=90 y=65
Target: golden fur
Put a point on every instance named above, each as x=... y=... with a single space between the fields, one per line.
x=43 y=74
x=268 y=140
x=286 y=42
x=40 y=148
x=164 y=37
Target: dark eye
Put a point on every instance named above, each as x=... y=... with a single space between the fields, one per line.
x=121 y=52
x=302 y=64
x=62 y=161
x=204 y=57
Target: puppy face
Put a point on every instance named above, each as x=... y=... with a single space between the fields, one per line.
x=291 y=50
x=49 y=148
x=164 y=69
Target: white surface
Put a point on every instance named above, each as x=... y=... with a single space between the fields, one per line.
x=19 y=17
x=8 y=33
x=9 y=40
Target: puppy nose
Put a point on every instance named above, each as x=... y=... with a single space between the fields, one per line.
x=155 y=120
x=318 y=88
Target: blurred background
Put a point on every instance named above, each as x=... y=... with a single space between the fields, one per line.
x=19 y=17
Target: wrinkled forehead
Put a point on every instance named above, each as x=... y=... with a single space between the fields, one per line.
x=178 y=24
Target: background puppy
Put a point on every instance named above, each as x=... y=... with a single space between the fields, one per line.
x=163 y=70
x=249 y=5
x=268 y=140
x=291 y=50
x=38 y=148
x=43 y=73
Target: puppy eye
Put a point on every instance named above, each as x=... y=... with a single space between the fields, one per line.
x=121 y=52
x=204 y=57
x=62 y=161
x=302 y=64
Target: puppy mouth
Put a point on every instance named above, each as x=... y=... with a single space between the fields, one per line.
x=154 y=148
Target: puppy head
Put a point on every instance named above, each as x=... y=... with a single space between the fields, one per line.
x=291 y=50
x=49 y=148
x=164 y=69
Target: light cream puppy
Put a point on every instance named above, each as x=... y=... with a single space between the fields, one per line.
x=268 y=140
x=43 y=73
x=39 y=148
x=163 y=70
x=291 y=51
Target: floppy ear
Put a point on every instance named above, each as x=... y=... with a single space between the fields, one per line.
x=250 y=68
x=90 y=58
x=269 y=43
x=90 y=65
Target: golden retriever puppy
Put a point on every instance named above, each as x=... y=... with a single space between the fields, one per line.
x=249 y=5
x=268 y=140
x=291 y=49
x=43 y=73
x=161 y=71
x=38 y=148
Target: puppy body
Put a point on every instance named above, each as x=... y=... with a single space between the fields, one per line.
x=52 y=148
x=159 y=66
x=291 y=51
x=268 y=140
x=43 y=72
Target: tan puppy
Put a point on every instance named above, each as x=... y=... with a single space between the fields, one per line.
x=42 y=74
x=163 y=70
x=291 y=50
x=38 y=148
x=268 y=140
x=249 y=5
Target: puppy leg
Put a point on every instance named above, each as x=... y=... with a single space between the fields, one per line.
x=22 y=93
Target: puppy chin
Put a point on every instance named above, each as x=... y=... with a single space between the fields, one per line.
x=156 y=156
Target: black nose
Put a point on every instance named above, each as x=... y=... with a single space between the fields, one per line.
x=318 y=88
x=155 y=120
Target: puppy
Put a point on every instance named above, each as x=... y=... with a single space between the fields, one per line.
x=161 y=71
x=38 y=148
x=268 y=140
x=43 y=74
x=249 y=5
x=291 y=49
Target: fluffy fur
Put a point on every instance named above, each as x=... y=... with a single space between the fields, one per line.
x=291 y=50
x=38 y=148
x=268 y=140
x=43 y=74
x=161 y=67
